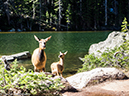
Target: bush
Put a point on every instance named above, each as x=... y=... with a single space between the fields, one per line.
x=27 y=82
x=118 y=57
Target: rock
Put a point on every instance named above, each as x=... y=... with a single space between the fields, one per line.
x=18 y=56
x=67 y=85
x=81 y=80
x=19 y=30
x=115 y=39
x=110 y=88
x=12 y=30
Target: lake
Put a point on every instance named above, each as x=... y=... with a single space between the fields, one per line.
x=76 y=43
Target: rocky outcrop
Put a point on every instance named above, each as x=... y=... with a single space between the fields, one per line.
x=115 y=39
x=18 y=56
x=98 y=75
x=110 y=88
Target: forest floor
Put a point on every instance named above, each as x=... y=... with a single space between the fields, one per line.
x=108 y=88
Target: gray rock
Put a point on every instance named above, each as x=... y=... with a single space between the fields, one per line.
x=66 y=84
x=81 y=80
x=115 y=39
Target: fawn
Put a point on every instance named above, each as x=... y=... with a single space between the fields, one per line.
x=39 y=56
x=58 y=67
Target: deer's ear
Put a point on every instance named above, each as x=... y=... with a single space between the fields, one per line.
x=48 y=38
x=65 y=52
x=36 y=38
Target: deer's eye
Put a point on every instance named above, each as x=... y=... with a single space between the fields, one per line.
x=61 y=55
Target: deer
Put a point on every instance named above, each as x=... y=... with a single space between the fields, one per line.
x=58 y=67
x=39 y=57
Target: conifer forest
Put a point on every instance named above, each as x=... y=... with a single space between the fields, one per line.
x=62 y=15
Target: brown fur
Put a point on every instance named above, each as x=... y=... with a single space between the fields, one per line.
x=39 y=56
x=58 y=67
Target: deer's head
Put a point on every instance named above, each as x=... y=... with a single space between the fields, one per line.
x=62 y=54
x=42 y=42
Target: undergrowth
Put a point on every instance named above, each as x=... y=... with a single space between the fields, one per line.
x=28 y=82
x=117 y=57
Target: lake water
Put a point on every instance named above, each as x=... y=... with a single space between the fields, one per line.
x=76 y=43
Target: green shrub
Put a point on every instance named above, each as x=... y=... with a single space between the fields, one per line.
x=118 y=57
x=27 y=81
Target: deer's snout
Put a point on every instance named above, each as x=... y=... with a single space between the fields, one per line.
x=43 y=45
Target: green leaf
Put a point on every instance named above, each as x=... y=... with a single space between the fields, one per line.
x=22 y=87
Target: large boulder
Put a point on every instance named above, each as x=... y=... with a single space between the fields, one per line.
x=115 y=39
x=98 y=75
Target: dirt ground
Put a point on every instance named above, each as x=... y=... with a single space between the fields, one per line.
x=109 y=88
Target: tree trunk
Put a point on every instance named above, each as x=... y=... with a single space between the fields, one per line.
x=40 y=5
x=6 y=7
x=33 y=17
x=59 y=14
x=105 y=12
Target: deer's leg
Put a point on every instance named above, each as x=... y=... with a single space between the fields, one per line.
x=43 y=69
x=35 y=69
x=54 y=72
x=57 y=73
x=61 y=74
x=40 y=70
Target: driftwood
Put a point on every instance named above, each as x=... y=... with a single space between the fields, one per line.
x=6 y=64
x=18 y=56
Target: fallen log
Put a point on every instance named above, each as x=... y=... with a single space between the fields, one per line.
x=18 y=56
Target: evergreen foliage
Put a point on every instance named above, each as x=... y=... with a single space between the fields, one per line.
x=73 y=14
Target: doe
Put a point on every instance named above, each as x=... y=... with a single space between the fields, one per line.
x=58 y=67
x=39 y=56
